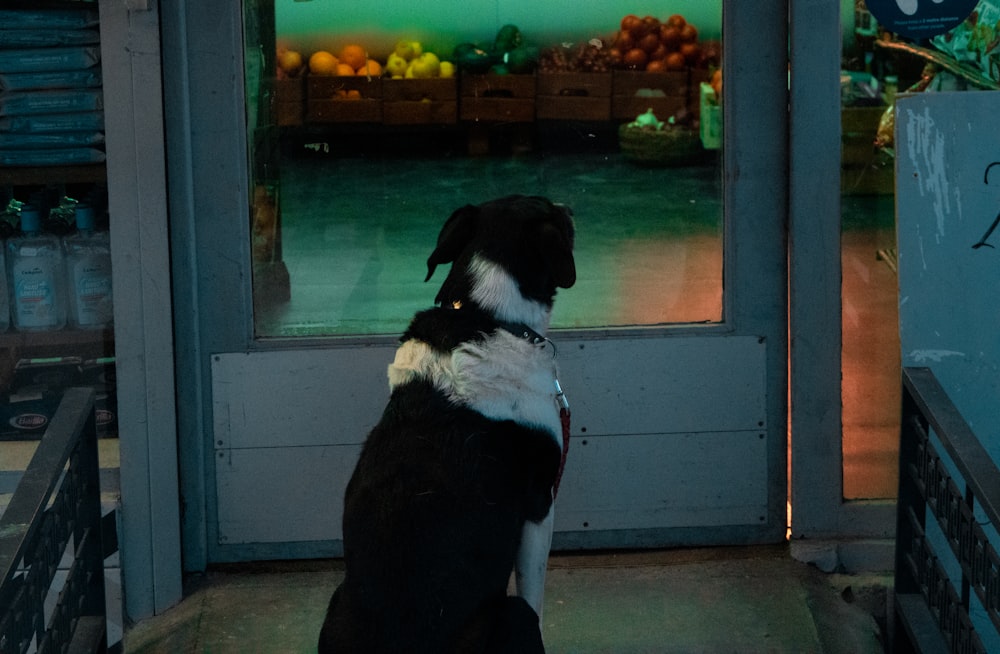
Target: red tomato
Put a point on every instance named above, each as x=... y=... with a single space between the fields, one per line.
x=675 y=61
x=650 y=42
x=630 y=22
x=677 y=21
x=635 y=58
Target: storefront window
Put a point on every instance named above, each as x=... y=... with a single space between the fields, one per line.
x=941 y=51
x=354 y=174
x=870 y=356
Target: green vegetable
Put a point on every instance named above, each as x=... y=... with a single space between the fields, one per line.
x=508 y=38
x=472 y=58
x=521 y=60
x=462 y=49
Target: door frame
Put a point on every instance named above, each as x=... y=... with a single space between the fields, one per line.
x=858 y=533
x=149 y=517
x=210 y=241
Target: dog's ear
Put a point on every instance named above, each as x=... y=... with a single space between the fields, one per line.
x=559 y=246
x=455 y=235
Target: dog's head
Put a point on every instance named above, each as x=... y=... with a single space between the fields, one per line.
x=508 y=256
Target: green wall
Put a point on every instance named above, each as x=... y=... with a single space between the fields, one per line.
x=312 y=25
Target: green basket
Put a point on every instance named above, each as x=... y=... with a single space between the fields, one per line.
x=671 y=146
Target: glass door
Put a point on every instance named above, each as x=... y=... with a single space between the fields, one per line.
x=355 y=174
x=329 y=188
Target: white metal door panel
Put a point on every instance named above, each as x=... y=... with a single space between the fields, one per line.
x=291 y=398
x=658 y=386
x=276 y=494
x=664 y=481
x=666 y=433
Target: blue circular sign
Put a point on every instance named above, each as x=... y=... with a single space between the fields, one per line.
x=920 y=19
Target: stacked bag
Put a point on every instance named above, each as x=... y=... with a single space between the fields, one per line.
x=51 y=101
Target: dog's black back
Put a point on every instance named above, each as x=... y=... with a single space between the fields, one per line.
x=435 y=508
x=432 y=521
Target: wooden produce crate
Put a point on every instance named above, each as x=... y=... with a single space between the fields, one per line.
x=633 y=92
x=573 y=96
x=865 y=170
x=343 y=99
x=431 y=101
x=289 y=101
x=497 y=98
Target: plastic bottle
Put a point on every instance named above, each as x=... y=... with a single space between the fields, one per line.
x=37 y=276
x=88 y=273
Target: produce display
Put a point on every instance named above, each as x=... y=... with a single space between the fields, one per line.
x=640 y=63
x=653 y=45
x=408 y=60
x=645 y=43
x=590 y=57
x=650 y=141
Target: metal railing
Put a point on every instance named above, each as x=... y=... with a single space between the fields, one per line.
x=57 y=503
x=934 y=612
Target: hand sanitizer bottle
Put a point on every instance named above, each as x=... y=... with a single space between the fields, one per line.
x=37 y=276
x=88 y=267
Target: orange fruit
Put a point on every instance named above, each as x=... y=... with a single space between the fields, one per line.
x=353 y=55
x=344 y=70
x=290 y=61
x=322 y=63
x=716 y=82
x=371 y=68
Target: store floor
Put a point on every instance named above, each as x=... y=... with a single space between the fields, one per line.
x=707 y=600
x=356 y=233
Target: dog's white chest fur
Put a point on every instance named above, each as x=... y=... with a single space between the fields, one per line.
x=502 y=377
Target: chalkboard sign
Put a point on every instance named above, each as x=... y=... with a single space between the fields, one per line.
x=948 y=211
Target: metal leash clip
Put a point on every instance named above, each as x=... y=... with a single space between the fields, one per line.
x=561 y=396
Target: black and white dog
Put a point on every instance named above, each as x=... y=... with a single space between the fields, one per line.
x=454 y=486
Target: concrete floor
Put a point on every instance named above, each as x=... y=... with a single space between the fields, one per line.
x=754 y=599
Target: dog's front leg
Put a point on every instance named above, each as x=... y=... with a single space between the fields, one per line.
x=532 y=560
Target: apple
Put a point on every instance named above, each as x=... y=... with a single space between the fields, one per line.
x=404 y=50
x=426 y=65
x=396 y=65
